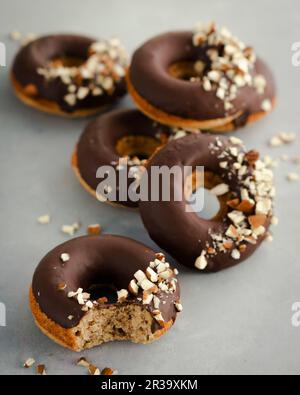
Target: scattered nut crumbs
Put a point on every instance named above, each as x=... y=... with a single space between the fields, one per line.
x=83 y=298
x=29 y=363
x=282 y=139
x=94 y=370
x=44 y=219
x=94 y=230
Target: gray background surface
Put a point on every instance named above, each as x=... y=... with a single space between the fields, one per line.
x=237 y=321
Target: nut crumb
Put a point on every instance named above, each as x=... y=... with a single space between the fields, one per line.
x=29 y=363
x=15 y=35
x=266 y=105
x=236 y=254
x=62 y=286
x=93 y=370
x=201 y=262
x=65 y=257
x=107 y=372
x=83 y=362
x=122 y=295
x=179 y=307
x=70 y=229
x=44 y=219
x=220 y=190
x=41 y=370
x=94 y=230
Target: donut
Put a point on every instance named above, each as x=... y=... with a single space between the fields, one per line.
x=70 y=75
x=122 y=140
x=96 y=289
x=206 y=79
x=244 y=186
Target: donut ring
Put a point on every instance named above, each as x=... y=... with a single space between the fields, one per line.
x=146 y=304
x=155 y=83
x=69 y=75
x=241 y=181
x=115 y=139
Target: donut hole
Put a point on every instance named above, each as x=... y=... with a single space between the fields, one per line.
x=187 y=70
x=66 y=61
x=211 y=203
x=137 y=146
x=204 y=203
x=98 y=291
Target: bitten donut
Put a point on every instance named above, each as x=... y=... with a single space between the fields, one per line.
x=242 y=182
x=205 y=79
x=71 y=308
x=70 y=75
x=122 y=141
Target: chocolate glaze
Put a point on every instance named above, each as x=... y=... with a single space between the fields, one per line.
x=151 y=79
x=97 y=144
x=93 y=260
x=184 y=234
x=40 y=52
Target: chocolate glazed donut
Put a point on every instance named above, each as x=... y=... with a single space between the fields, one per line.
x=244 y=186
x=147 y=293
x=115 y=139
x=175 y=100
x=47 y=74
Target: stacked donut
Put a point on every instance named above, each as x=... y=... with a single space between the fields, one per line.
x=184 y=84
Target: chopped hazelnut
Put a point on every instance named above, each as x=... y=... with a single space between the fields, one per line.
x=29 y=363
x=94 y=230
x=107 y=372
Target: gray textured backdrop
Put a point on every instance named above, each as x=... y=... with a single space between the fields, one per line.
x=238 y=321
